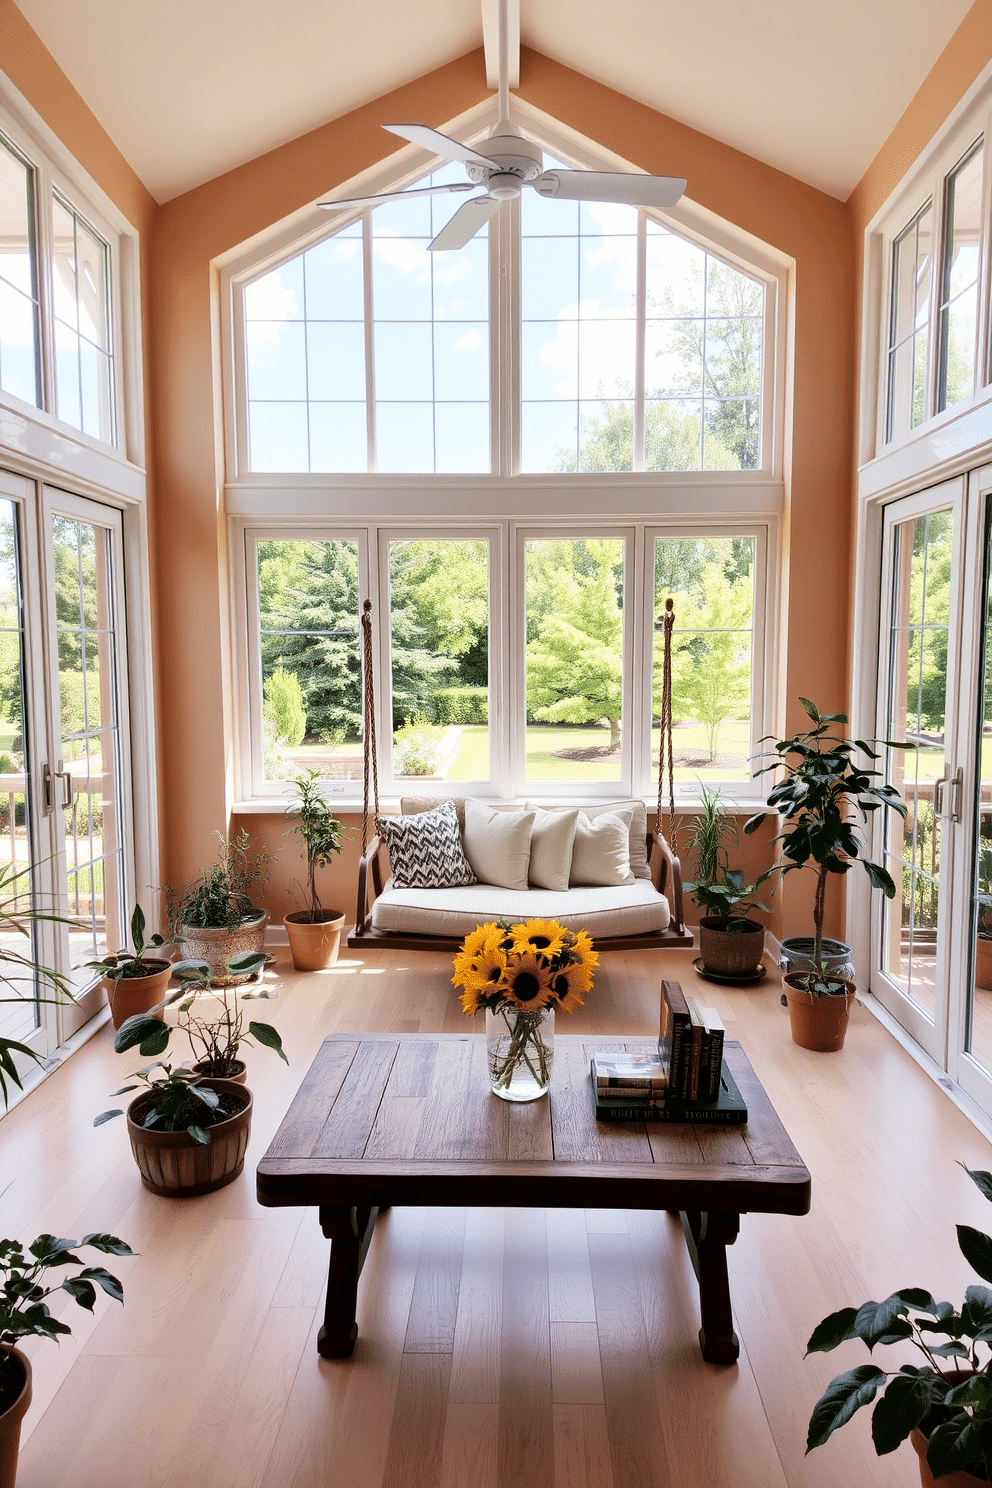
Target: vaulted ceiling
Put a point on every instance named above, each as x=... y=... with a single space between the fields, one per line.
x=193 y=88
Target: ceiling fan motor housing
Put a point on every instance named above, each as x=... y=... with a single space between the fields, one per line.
x=516 y=160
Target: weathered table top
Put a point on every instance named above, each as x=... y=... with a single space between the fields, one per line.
x=410 y=1119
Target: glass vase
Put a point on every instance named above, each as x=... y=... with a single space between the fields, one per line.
x=521 y=1051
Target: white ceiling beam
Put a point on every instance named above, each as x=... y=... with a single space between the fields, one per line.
x=490 y=37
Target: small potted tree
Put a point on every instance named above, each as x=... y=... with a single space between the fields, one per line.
x=730 y=944
x=132 y=981
x=822 y=787
x=315 y=932
x=27 y=1277
x=214 y=915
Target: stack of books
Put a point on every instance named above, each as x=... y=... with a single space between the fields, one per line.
x=686 y=1081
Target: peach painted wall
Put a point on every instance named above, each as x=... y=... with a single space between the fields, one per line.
x=190 y=232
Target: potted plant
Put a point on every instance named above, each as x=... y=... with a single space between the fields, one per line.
x=315 y=932
x=983 y=905
x=188 y=1133
x=945 y=1405
x=25 y=1275
x=132 y=983
x=822 y=786
x=731 y=945
x=22 y=977
x=214 y=915
x=215 y=1027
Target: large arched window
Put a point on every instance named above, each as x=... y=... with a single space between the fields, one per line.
x=628 y=347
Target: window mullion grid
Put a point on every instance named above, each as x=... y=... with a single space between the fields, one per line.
x=370 y=419
x=938 y=196
x=640 y=334
x=702 y=389
x=306 y=367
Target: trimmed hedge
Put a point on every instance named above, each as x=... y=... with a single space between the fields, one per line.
x=460 y=705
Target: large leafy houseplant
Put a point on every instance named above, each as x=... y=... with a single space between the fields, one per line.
x=719 y=890
x=949 y=1396
x=23 y=978
x=823 y=790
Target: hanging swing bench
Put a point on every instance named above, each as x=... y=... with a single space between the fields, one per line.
x=638 y=905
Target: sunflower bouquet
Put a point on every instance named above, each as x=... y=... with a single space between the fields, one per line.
x=519 y=974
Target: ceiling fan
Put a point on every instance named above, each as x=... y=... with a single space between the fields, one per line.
x=504 y=164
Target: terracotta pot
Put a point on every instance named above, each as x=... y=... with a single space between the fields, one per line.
x=137 y=994
x=729 y=953
x=240 y=1071
x=216 y=947
x=314 y=943
x=818 y=1023
x=983 y=962
x=10 y=1421
x=948 y=1480
x=173 y=1165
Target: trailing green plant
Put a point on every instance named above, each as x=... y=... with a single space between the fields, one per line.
x=127 y=963
x=24 y=1285
x=822 y=787
x=215 y=1029
x=179 y=1101
x=718 y=889
x=953 y=1409
x=22 y=977
x=322 y=833
x=219 y=897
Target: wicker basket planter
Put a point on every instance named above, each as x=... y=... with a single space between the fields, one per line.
x=736 y=954
x=173 y=1165
x=216 y=947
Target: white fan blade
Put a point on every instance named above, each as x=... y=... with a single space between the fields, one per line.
x=386 y=196
x=438 y=143
x=611 y=186
x=465 y=223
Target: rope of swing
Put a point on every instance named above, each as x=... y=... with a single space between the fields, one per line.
x=368 y=723
x=666 y=757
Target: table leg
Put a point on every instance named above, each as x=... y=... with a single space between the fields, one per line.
x=349 y=1231
x=707 y=1236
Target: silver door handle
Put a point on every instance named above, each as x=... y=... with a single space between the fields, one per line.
x=956 y=783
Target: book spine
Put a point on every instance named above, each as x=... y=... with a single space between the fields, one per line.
x=678 y=1074
x=670 y=1114
x=695 y=1059
x=621 y=1082
x=709 y=1084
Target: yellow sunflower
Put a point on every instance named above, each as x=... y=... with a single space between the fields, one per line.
x=480 y=939
x=542 y=937
x=568 y=985
x=527 y=984
x=582 y=948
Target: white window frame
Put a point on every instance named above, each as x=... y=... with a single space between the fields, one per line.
x=507 y=634
x=738 y=249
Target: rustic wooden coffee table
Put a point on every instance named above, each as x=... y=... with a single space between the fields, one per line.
x=385 y=1119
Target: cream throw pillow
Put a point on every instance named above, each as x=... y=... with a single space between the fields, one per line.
x=551 y=849
x=638 y=828
x=497 y=844
x=601 y=850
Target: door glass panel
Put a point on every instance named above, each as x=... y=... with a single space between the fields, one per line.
x=979 y=1019
x=439 y=638
x=19 y=1017
x=574 y=659
x=916 y=714
x=90 y=727
x=18 y=279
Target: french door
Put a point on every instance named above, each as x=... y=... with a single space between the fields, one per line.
x=64 y=775
x=935 y=693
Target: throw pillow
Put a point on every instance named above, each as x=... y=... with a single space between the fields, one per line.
x=638 y=829
x=551 y=849
x=414 y=805
x=601 y=851
x=497 y=844
x=425 y=850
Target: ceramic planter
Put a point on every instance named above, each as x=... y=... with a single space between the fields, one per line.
x=216 y=947
x=983 y=962
x=837 y=956
x=238 y=1071
x=173 y=1165
x=947 y=1480
x=818 y=1023
x=137 y=994
x=727 y=953
x=10 y=1421
x=314 y=943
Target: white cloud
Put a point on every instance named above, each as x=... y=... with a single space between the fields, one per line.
x=471 y=341
x=270 y=298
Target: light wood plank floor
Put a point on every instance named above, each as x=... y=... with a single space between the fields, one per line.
x=516 y=1349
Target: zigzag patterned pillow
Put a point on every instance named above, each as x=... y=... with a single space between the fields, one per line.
x=425 y=851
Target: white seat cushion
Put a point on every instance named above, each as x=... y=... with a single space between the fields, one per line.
x=627 y=909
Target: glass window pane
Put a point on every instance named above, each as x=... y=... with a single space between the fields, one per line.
x=549 y=275
x=277 y=295
x=959 y=300
x=908 y=319
x=18 y=279
x=439 y=640
x=277 y=359
x=549 y=436
x=335 y=360
x=574 y=659
x=673 y=434
x=67 y=395
x=673 y=357
x=550 y=359
x=83 y=334
x=401 y=275
x=405 y=437
x=277 y=434
x=461 y=282
x=676 y=274
x=311 y=658
x=711 y=581
x=335 y=277
x=606 y=435
x=338 y=437
x=404 y=361
x=18 y=1018
x=461 y=361
x=64 y=275
x=461 y=438
x=93 y=287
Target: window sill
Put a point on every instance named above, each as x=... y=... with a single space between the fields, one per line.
x=390 y=805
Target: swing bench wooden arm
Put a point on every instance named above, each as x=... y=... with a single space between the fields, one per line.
x=370 y=867
x=666 y=875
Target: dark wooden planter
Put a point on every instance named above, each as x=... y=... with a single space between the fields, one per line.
x=10 y=1421
x=730 y=954
x=173 y=1165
